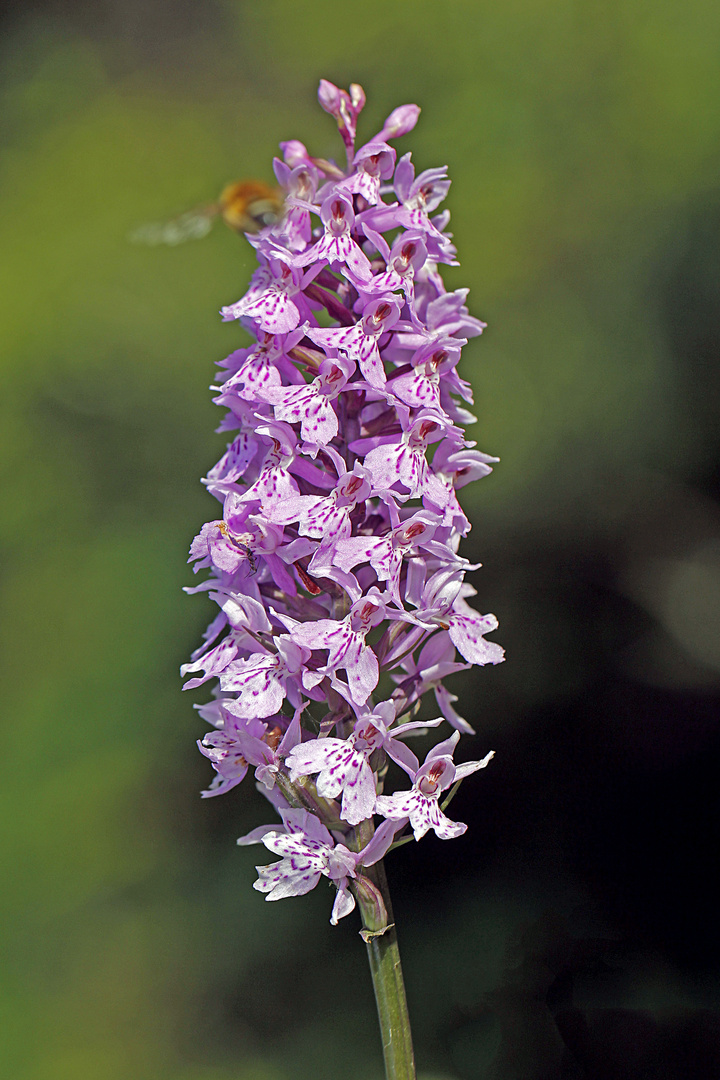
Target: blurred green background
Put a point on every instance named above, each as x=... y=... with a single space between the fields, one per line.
x=573 y=931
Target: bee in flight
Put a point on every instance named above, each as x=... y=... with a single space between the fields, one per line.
x=245 y=206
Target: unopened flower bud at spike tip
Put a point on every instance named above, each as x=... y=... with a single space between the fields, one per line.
x=329 y=97
x=401 y=121
x=336 y=562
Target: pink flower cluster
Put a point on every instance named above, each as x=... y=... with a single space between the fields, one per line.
x=335 y=563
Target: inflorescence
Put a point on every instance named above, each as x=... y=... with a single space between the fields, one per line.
x=335 y=564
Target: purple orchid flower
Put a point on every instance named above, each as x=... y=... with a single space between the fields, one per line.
x=274 y=483
x=373 y=163
x=310 y=405
x=346 y=645
x=360 y=342
x=263 y=364
x=442 y=604
x=404 y=259
x=261 y=680
x=401 y=459
x=240 y=744
x=308 y=852
x=420 y=388
x=224 y=749
x=300 y=184
x=327 y=517
x=232 y=465
x=269 y=300
x=337 y=247
x=443 y=320
x=384 y=553
x=421 y=805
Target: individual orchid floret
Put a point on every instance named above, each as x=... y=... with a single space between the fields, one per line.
x=420 y=195
x=263 y=364
x=225 y=750
x=245 y=543
x=420 y=388
x=232 y=466
x=241 y=744
x=327 y=517
x=261 y=680
x=404 y=259
x=453 y=468
x=274 y=483
x=421 y=805
x=309 y=852
x=346 y=645
x=343 y=770
x=442 y=604
x=360 y=342
x=384 y=553
x=401 y=458
x=299 y=183
x=215 y=546
x=274 y=299
x=373 y=163
x=444 y=318
x=337 y=247
x=310 y=405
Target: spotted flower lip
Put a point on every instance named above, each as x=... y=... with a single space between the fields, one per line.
x=270 y=300
x=420 y=806
x=337 y=247
x=310 y=405
x=360 y=341
x=308 y=852
x=346 y=646
x=336 y=561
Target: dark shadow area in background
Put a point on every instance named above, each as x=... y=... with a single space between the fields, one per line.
x=691 y=314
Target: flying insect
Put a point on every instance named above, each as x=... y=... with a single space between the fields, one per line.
x=246 y=206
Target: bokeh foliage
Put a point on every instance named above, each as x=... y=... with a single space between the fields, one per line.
x=583 y=142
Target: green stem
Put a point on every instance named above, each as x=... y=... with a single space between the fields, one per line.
x=388 y=984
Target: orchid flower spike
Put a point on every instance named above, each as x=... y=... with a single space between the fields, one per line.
x=335 y=559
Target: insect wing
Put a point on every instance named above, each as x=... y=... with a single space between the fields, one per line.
x=192 y=225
